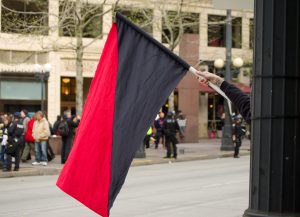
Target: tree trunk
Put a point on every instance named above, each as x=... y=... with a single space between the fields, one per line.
x=79 y=59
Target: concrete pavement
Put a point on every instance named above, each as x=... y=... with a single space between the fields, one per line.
x=205 y=149
x=207 y=188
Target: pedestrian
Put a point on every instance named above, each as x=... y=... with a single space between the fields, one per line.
x=3 y=156
x=29 y=149
x=15 y=134
x=69 y=127
x=41 y=133
x=56 y=124
x=148 y=137
x=238 y=132
x=2 y=144
x=170 y=128
x=158 y=124
x=182 y=122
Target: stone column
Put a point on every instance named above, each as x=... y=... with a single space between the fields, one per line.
x=54 y=87
x=275 y=157
x=188 y=88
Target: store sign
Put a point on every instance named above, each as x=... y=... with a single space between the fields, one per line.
x=234 y=4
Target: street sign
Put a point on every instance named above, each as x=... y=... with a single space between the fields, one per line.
x=234 y=4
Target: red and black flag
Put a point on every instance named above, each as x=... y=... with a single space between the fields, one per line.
x=134 y=77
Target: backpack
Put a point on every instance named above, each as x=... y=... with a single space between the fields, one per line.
x=63 y=129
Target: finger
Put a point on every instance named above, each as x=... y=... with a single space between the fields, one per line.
x=201 y=73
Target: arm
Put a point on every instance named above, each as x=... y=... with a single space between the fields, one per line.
x=238 y=98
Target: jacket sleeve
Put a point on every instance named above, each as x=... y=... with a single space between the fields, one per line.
x=239 y=99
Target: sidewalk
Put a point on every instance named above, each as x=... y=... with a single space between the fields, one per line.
x=205 y=149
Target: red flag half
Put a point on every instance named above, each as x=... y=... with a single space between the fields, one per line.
x=134 y=77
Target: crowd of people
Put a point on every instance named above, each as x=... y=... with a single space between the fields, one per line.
x=166 y=129
x=25 y=136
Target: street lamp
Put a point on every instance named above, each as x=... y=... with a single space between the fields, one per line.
x=42 y=73
x=219 y=63
x=238 y=62
x=227 y=143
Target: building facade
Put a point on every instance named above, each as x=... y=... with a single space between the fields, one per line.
x=21 y=51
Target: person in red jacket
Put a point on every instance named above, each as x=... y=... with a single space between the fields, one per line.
x=29 y=148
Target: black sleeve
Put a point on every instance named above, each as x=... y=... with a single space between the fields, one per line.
x=239 y=99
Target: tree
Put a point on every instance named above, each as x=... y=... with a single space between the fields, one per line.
x=77 y=19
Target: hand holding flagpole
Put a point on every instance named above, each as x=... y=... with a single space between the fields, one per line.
x=201 y=75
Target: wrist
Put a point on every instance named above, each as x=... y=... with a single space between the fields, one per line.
x=219 y=82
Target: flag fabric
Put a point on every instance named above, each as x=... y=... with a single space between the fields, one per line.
x=133 y=79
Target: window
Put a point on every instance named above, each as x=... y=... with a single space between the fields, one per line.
x=20 y=90
x=217 y=31
x=141 y=17
x=91 y=15
x=174 y=20
x=24 y=17
x=251 y=45
x=68 y=89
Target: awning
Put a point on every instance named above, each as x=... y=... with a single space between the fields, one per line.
x=206 y=89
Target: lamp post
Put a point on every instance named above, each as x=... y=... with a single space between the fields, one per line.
x=42 y=74
x=227 y=143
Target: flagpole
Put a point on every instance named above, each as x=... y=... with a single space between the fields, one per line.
x=213 y=86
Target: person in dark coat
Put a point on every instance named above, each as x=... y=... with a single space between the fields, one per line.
x=67 y=140
x=236 y=96
x=170 y=128
x=15 y=132
x=238 y=133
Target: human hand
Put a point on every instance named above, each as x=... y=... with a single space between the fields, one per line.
x=210 y=77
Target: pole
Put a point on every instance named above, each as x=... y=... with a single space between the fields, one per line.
x=42 y=97
x=275 y=150
x=227 y=143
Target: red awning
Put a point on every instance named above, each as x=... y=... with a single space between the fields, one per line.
x=206 y=89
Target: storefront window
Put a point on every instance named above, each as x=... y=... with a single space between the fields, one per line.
x=20 y=90
x=68 y=89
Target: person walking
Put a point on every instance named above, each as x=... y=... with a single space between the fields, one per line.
x=170 y=128
x=29 y=149
x=41 y=133
x=238 y=132
x=15 y=133
x=158 y=125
